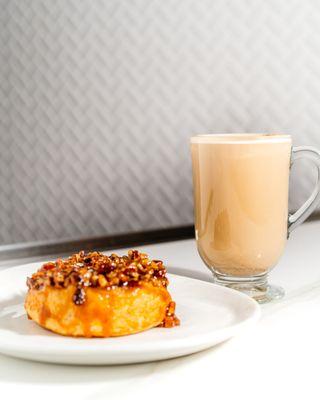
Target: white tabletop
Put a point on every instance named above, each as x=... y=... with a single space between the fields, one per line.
x=271 y=361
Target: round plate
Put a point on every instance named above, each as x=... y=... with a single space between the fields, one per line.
x=209 y=314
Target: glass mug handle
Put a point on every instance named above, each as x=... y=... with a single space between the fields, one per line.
x=309 y=206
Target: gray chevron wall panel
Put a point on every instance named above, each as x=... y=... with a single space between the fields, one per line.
x=98 y=99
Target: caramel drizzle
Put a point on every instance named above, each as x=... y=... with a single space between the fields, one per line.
x=170 y=320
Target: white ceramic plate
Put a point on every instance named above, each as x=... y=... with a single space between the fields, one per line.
x=209 y=314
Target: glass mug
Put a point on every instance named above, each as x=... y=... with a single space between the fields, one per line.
x=241 y=186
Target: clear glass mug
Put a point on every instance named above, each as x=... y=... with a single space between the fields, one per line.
x=241 y=186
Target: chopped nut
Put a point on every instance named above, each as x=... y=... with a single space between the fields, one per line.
x=79 y=296
x=170 y=320
x=102 y=281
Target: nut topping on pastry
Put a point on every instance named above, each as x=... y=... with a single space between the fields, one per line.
x=91 y=294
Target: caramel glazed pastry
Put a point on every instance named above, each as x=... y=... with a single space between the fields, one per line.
x=94 y=295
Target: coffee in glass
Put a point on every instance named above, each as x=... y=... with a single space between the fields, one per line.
x=241 y=185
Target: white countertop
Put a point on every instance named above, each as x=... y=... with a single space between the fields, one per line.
x=271 y=361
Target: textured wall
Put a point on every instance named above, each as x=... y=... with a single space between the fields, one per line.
x=98 y=100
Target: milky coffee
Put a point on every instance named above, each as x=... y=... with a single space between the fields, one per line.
x=241 y=200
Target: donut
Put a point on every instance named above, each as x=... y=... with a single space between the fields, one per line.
x=96 y=295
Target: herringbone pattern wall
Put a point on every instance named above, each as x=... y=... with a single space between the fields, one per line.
x=99 y=97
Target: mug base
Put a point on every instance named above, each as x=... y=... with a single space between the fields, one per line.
x=257 y=287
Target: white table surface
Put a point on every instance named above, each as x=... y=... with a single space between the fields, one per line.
x=276 y=359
